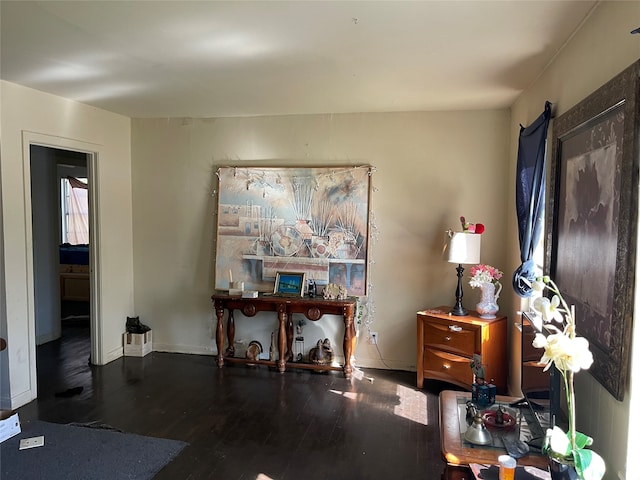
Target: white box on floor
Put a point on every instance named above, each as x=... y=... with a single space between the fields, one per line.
x=9 y=425
x=137 y=344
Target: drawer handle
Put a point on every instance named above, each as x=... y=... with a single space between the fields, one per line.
x=447 y=338
x=446 y=366
x=455 y=328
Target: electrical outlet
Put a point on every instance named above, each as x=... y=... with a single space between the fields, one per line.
x=31 y=442
x=373 y=338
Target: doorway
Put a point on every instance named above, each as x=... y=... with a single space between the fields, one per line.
x=62 y=268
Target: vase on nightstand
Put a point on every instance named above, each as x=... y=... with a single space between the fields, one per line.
x=487 y=307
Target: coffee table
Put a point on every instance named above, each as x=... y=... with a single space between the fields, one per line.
x=458 y=453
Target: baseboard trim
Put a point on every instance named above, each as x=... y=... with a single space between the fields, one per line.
x=18 y=400
x=188 y=349
x=387 y=365
x=49 y=337
x=113 y=355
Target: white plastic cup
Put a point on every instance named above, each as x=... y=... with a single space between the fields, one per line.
x=507 y=467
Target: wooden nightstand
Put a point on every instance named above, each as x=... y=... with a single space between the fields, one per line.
x=446 y=344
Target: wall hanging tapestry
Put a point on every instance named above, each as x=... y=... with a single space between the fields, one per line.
x=312 y=220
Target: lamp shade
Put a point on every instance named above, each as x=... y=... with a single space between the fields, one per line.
x=461 y=247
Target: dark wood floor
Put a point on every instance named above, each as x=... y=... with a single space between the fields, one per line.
x=247 y=422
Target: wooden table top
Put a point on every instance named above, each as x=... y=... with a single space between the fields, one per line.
x=457 y=452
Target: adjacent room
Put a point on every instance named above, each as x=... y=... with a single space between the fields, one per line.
x=321 y=240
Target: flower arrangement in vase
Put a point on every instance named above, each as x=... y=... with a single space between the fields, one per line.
x=486 y=278
x=570 y=354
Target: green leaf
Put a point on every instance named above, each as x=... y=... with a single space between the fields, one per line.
x=589 y=465
x=582 y=440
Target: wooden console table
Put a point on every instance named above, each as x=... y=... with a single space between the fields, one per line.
x=285 y=307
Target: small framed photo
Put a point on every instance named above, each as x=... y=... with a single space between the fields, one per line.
x=290 y=283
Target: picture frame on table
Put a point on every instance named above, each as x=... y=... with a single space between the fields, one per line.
x=591 y=225
x=290 y=283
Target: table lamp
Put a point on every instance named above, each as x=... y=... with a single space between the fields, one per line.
x=461 y=247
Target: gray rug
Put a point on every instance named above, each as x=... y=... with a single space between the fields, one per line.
x=85 y=452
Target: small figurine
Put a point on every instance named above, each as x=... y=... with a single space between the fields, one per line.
x=299 y=325
x=471 y=412
x=254 y=350
x=477 y=368
x=334 y=291
x=298 y=349
x=500 y=416
x=322 y=353
x=482 y=392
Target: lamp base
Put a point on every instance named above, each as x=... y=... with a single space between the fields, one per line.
x=459 y=311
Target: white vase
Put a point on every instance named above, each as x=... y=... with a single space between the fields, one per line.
x=488 y=307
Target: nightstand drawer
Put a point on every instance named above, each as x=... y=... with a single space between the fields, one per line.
x=452 y=337
x=448 y=367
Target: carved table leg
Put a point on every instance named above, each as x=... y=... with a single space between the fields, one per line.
x=349 y=340
x=219 y=332
x=289 y=353
x=231 y=335
x=282 y=337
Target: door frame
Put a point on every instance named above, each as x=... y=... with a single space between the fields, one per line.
x=93 y=153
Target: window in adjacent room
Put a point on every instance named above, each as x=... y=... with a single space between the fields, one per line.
x=75 y=210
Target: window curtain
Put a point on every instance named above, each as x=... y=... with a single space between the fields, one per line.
x=530 y=196
x=78 y=213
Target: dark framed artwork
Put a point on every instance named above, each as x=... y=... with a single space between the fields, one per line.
x=313 y=220
x=590 y=248
x=290 y=283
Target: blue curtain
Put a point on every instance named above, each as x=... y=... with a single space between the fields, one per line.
x=530 y=192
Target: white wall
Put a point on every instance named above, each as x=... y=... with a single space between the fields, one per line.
x=601 y=49
x=430 y=169
x=5 y=388
x=45 y=220
x=28 y=115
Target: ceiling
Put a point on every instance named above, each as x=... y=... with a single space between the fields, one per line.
x=239 y=58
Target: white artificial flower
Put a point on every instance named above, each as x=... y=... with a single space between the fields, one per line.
x=540 y=341
x=580 y=357
x=555 y=351
x=565 y=352
x=549 y=309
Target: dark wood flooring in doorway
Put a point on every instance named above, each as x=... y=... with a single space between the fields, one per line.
x=247 y=422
